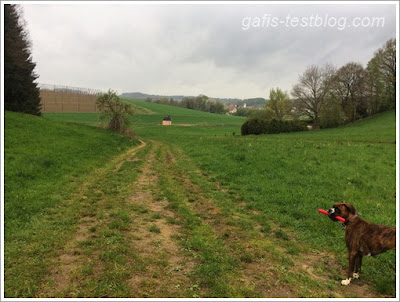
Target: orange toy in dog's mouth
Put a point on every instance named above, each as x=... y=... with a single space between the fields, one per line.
x=326 y=213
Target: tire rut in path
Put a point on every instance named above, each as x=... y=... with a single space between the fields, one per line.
x=167 y=268
x=63 y=269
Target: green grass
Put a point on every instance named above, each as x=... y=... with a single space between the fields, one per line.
x=147 y=121
x=289 y=176
x=214 y=273
x=82 y=118
x=43 y=159
x=154 y=229
x=47 y=164
x=185 y=122
x=268 y=189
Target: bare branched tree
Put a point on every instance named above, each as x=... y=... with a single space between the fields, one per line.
x=349 y=90
x=386 y=59
x=312 y=91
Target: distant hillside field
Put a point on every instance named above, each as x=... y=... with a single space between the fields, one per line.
x=149 y=116
x=184 y=121
x=183 y=115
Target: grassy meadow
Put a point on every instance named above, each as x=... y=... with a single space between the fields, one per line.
x=46 y=164
x=287 y=177
x=242 y=211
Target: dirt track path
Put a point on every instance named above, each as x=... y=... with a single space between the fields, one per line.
x=167 y=268
x=152 y=225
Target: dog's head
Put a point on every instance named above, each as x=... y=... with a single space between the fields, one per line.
x=341 y=209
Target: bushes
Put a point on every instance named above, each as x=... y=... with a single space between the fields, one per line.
x=262 y=126
x=118 y=112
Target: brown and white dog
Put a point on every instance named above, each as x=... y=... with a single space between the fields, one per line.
x=362 y=237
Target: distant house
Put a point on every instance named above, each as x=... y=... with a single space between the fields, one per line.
x=232 y=109
x=167 y=121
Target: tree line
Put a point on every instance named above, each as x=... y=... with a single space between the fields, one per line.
x=329 y=97
x=200 y=103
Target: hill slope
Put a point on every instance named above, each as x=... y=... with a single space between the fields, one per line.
x=183 y=115
x=40 y=153
x=185 y=122
x=46 y=163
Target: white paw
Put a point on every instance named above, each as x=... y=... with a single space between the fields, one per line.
x=356 y=275
x=346 y=282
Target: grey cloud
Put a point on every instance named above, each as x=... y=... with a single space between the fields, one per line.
x=191 y=49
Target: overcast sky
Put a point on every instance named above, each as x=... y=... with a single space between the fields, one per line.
x=220 y=50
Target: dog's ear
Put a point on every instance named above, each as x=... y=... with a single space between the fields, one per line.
x=350 y=207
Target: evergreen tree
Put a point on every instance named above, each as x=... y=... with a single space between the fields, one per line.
x=20 y=91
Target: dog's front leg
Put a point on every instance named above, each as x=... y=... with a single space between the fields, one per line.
x=352 y=260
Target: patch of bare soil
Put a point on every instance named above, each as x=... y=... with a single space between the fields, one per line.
x=64 y=267
x=143 y=110
x=323 y=268
x=192 y=125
